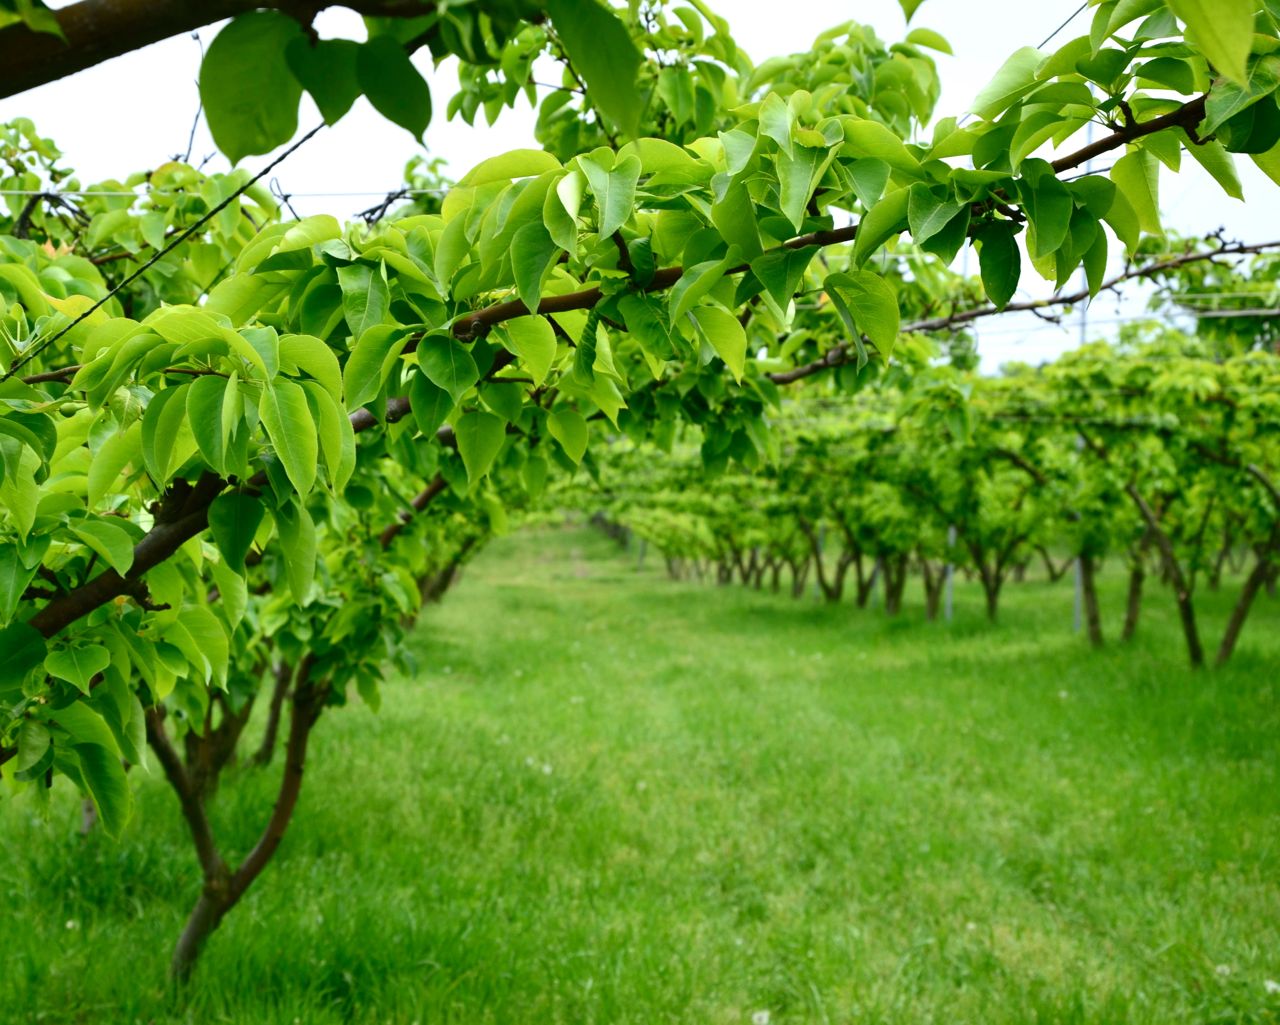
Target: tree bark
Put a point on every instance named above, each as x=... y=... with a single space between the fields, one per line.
x=267 y=749
x=1173 y=569
x=1240 y=612
x=1088 y=585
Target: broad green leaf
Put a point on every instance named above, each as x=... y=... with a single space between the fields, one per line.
x=114 y=544
x=104 y=778
x=927 y=214
x=1016 y=76
x=533 y=341
x=448 y=364
x=24 y=649
x=1219 y=163
x=781 y=271
x=873 y=304
x=298 y=546
x=14 y=578
x=614 y=191
x=602 y=52
x=310 y=355
x=883 y=221
x=1048 y=204
x=569 y=428
x=327 y=70
x=204 y=411
x=371 y=361
x=1137 y=176
x=872 y=140
x=430 y=403
x=78 y=664
x=86 y=726
x=480 y=437
x=165 y=416
x=1220 y=29
x=249 y=95
x=1227 y=99
x=999 y=260
x=393 y=85
x=234 y=520
x=725 y=335
x=931 y=39
x=292 y=431
x=518 y=163
x=533 y=255
x=795 y=184
x=777 y=120
x=365 y=296
x=210 y=638
x=33 y=742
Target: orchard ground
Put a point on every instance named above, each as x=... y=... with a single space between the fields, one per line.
x=613 y=798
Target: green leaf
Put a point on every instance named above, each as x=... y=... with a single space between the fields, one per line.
x=1137 y=176
x=614 y=190
x=24 y=649
x=1048 y=205
x=234 y=520
x=114 y=544
x=725 y=335
x=105 y=780
x=999 y=260
x=781 y=271
x=795 y=185
x=872 y=303
x=393 y=85
x=517 y=163
x=533 y=255
x=292 y=431
x=480 y=437
x=327 y=70
x=371 y=361
x=777 y=121
x=14 y=578
x=78 y=665
x=204 y=411
x=1222 y=30
x=430 y=403
x=33 y=742
x=931 y=39
x=569 y=428
x=161 y=424
x=884 y=220
x=310 y=355
x=927 y=214
x=533 y=341
x=448 y=364
x=1227 y=99
x=602 y=52
x=1016 y=76
x=365 y=296
x=210 y=638
x=298 y=546
x=1214 y=158
x=249 y=94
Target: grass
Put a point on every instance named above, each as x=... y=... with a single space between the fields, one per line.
x=612 y=798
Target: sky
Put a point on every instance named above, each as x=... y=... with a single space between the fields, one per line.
x=137 y=110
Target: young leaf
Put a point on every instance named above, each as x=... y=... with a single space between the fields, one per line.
x=365 y=296
x=1222 y=30
x=430 y=403
x=1137 y=176
x=533 y=341
x=78 y=665
x=533 y=255
x=204 y=411
x=615 y=191
x=884 y=220
x=724 y=334
x=873 y=304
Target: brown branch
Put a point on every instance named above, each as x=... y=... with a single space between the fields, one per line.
x=420 y=502
x=97 y=30
x=211 y=863
x=1187 y=117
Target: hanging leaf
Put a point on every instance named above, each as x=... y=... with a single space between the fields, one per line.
x=601 y=51
x=249 y=94
x=393 y=85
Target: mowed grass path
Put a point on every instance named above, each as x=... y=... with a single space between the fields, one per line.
x=611 y=798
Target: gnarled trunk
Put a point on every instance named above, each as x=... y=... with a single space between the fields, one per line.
x=1089 y=589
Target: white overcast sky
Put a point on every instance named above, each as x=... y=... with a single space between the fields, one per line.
x=135 y=111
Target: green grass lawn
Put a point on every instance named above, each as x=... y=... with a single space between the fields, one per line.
x=612 y=798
